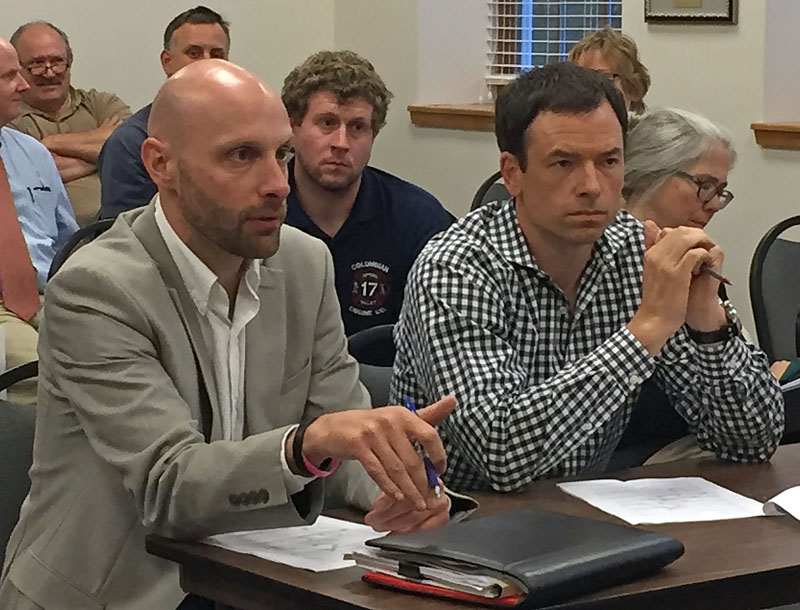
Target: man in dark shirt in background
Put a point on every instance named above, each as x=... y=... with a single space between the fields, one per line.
x=374 y=223
x=198 y=33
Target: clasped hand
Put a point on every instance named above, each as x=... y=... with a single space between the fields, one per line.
x=674 y=289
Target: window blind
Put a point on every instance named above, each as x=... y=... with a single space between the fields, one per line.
x=528 y=33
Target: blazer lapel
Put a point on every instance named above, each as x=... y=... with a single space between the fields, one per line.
x=146 y=229
x=265 y=350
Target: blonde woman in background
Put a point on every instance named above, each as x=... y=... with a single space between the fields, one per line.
x=615 y=55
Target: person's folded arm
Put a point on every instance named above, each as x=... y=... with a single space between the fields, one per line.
x=72 y=168
x=727 y=394
x=510 y=430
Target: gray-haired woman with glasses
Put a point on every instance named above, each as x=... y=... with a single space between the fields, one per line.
x=676 y=171
x=676 y=168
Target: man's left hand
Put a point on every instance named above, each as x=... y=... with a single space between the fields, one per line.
x=389 y=515
x=703 y=310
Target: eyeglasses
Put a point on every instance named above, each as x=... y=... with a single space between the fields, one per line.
x=707 y=189
x=616 y=78
x=57 y=66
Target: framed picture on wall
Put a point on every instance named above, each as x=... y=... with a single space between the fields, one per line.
x=690 y=11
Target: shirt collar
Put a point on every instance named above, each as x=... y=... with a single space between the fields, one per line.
x=364 y=206
x=197 y=277
x=74 y=101
x=506 y=235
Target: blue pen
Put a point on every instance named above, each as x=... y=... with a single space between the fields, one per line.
x=430 y=471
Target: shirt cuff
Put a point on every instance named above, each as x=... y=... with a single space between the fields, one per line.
x=626 y=359
x=722 y=361
x=295 y=483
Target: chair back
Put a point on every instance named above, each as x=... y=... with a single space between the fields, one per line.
x=374 y=349
x=492 y=189
x=18 y=373
x=17 y=424
x=775 y=290
x=376 y=379
x=374 y=345
x=87 y=233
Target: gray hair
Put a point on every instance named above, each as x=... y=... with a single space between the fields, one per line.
x=663 y=141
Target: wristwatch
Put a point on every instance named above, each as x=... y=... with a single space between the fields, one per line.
x=731 y=329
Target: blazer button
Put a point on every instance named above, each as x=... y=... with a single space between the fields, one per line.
x=252 y=497
x=235 y=499
x=263 y=496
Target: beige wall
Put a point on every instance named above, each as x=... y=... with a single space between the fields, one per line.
x=116 y=44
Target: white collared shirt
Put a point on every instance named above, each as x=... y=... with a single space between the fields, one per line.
x=224 y=337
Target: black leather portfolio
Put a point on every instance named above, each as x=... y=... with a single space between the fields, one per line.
x=550 y=557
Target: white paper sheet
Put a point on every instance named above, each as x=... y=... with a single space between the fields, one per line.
x=317 y=547
x=674 y=500
x=788 y=501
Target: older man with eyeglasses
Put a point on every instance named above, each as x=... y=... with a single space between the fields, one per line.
x=35 y=220
x=71 y=123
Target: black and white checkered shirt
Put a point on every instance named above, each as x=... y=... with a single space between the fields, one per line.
x=546 y=391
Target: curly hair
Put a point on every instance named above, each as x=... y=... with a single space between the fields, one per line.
x=620 y=51
x=345 y=74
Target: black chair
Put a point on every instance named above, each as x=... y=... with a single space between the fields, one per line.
x=775 y=291
x=492 y=189
x=18 y=373
x=17 y=423
x=87 y=233
x=373 y=345
x=775 y=297
x=376 y=379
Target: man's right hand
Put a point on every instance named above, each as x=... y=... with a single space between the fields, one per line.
x=381 y=440
x=672 y=259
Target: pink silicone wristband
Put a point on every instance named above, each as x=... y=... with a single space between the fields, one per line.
x=320 y=473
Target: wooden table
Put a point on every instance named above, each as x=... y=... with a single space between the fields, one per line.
x=741 y=563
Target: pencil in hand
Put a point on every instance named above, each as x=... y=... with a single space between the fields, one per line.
x=715 y=274
x=430 y=470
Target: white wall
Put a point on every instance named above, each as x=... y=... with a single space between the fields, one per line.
x=434 y=51
x=782 y=62
x=720 y=71
x=409 y=56
x=116 y=44
x=716 y=70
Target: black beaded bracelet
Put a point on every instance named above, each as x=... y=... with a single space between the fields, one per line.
x=297 y=450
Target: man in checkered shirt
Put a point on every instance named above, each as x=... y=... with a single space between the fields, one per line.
x=544 y=314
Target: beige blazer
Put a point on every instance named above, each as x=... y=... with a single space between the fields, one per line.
x=119 y=451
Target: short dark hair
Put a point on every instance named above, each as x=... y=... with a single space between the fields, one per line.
x=563 y=88
x=345 y=74
x=198 y=14
x=18 y=32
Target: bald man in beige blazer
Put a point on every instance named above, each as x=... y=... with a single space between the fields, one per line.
x=156 y=416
